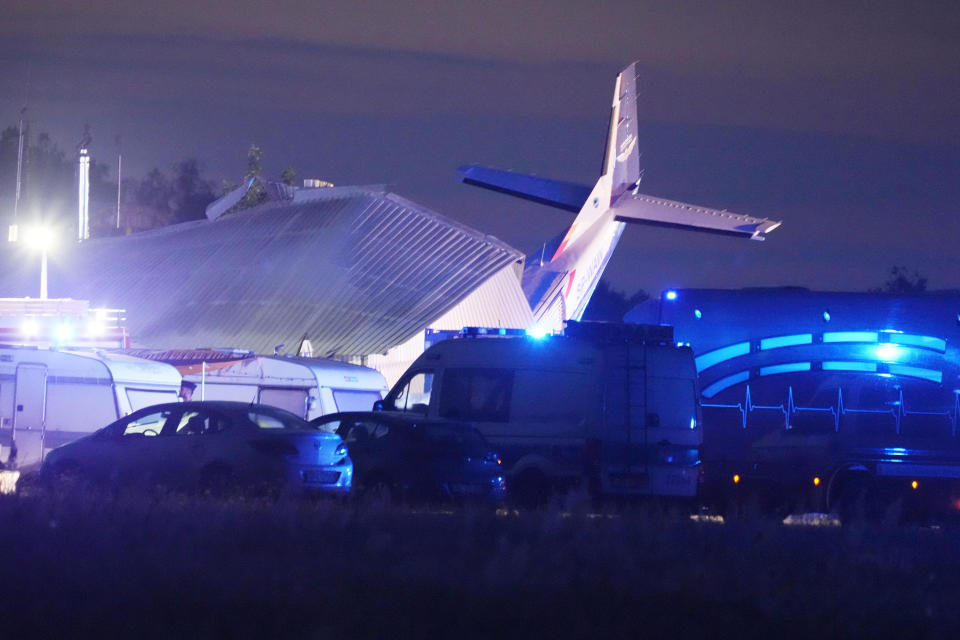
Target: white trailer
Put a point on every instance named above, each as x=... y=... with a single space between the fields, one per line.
x=308 y=387
x=49 y=397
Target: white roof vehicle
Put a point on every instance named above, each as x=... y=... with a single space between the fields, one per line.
x=49 y=397
x=306 y=387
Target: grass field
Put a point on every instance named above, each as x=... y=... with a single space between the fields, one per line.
x=117 y=564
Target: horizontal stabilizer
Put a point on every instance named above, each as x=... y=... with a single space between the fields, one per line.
x=637 y=207
x=555 y=193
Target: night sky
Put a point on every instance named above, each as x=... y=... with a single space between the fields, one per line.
x=840 y=118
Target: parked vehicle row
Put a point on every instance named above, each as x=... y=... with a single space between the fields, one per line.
x=610 y=407
x=225 y=446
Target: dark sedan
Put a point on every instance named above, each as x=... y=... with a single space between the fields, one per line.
x=413 y=458
x=210 y=445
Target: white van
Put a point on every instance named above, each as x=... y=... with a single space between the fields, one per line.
x=307 y=387
x=49 y=397
x=613 y=405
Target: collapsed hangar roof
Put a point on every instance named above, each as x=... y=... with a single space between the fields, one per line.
x=357 y=270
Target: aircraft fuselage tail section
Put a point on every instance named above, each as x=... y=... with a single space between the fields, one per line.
x=563 y=285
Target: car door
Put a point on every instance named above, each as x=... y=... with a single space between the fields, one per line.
x=129 y=450
x=193 y=441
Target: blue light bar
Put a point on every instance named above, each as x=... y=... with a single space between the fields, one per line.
x=717 y=356
x=784 y=368
x=924 y=342
x=916 y=372
x=850 y=336
x=850 y=366
x=723 y=383
x=786 y=341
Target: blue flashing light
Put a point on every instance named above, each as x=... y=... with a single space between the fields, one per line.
x=916 y=372
x=537 y=333
x=850 y=336
x=850 y=366
x=724 y=383
x=887 y=352
x=723 y=354
x=923 y=342
x=693 y=423
x=826 y=316
x=697 y=314
x=670 y=294
x=786 y=341
x=894 y=451
x=784 y=368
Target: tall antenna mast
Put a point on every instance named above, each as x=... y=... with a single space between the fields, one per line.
x=83 y=185
x=119 y=175
x=16 y=198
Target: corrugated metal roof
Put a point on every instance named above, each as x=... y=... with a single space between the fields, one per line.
x=356 y=270
x=498 y=302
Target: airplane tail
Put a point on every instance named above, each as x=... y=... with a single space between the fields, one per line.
x=621 y=158
x=560 y=288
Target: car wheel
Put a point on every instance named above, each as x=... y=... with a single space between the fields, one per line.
x=66 y=472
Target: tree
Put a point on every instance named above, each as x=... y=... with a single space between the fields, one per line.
x=903 y=281
x=255 y=193
x=289 y=176
x=190 y=193
x=610 y=305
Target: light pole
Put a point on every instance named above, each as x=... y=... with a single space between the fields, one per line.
x=41 y=238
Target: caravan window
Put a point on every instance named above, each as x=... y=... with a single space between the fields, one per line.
x=476 y=394
x=79 y=407
x=351 y=400
x=413 y=394
x=293 y=400
x=140 y=398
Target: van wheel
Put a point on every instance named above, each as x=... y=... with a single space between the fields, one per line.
x=530 y=489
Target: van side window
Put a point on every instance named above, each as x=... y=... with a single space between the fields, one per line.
x=414 y=395
x=476 y=395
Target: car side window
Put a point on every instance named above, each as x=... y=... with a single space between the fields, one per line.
x=149 y=424
x=196 y=423
x=330 y=426
x=277 y=419
x=355 y=433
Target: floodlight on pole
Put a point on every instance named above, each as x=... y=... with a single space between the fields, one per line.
x=41 y=239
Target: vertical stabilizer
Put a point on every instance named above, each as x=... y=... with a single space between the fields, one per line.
x=622 y=158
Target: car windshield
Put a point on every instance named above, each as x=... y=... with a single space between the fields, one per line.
x=455 y=437
x=270 y=418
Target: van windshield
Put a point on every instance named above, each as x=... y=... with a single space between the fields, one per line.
x=413 y=395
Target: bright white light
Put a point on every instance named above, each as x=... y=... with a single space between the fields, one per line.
x=670 y=295
x=63 y=333
x=94 y=328
x=29 y=328
x=887 y=352
x=40 y=238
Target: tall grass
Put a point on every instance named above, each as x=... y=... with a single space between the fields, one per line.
x=107 y=564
